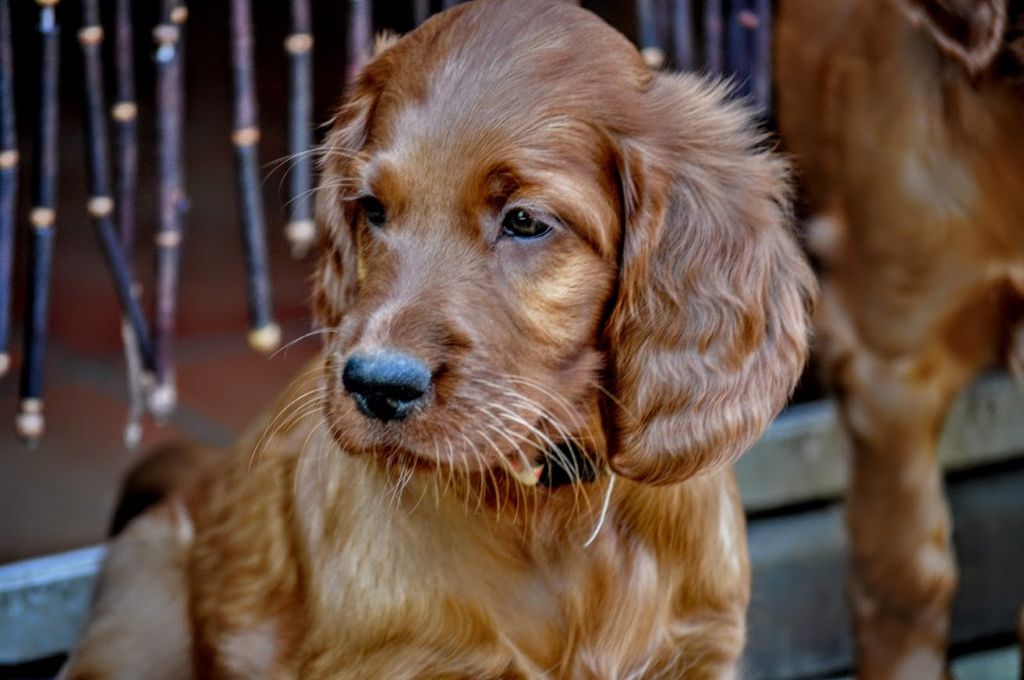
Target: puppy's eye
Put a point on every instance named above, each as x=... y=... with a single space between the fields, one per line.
x=374 y=211
x=519 y=223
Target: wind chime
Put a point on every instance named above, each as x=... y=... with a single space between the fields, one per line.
x=734 y=34
x=149 y=343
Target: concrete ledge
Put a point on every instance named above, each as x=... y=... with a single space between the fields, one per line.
x=43 y=603
x=802 y=457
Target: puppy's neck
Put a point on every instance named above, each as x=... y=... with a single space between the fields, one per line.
x=344 y=491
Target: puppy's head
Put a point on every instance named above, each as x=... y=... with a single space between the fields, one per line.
x=532 y=244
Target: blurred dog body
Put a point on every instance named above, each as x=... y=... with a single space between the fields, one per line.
x=905 y=119
x=536 y=256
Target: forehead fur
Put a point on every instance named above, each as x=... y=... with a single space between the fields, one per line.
x=514 y=66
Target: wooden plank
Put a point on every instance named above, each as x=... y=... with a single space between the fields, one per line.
x=43 y=602
x=802 y=457
x=798 y=618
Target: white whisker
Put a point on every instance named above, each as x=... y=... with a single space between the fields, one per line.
x=318 y=331
x=604 y=510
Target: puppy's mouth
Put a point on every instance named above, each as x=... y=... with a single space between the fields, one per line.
x=564 y=464
x=412 y=442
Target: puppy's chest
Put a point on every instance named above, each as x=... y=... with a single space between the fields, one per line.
x=456 y=603
x=438 y=587
x=406 y=602
x=426 y=588
x=376 y=609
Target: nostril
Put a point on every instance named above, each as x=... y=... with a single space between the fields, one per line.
x=385 y=385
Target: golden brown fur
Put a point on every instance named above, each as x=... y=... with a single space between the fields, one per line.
x=656 y=329
x=168 y=468
x=905 y=117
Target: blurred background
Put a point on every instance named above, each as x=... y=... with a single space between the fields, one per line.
x=58 y=496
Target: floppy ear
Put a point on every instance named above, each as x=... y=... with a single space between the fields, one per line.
x=336 y=276
x=970 y=31
x=708 y=334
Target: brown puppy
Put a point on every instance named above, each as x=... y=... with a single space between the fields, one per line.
x=905 y=116
x=540 y=260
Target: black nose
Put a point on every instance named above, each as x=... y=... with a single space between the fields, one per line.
x=385 y=385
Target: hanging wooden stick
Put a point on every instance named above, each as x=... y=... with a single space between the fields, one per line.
x=761 y=66
x=264 y=334
x=124 y=112
x=360 y=35
x=301 y=229
x=713 y=36
x=125 y=115
x=163 y=396
x=179 y=17
x=420 y=11
x=647 y=33
x=8 y=179
x=682 y=35
x=30 y=422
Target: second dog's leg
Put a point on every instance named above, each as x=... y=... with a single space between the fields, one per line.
x=904 y=573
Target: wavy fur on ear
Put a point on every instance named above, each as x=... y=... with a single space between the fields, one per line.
x=970 y=31
x=336 y=276
x=709 y=332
